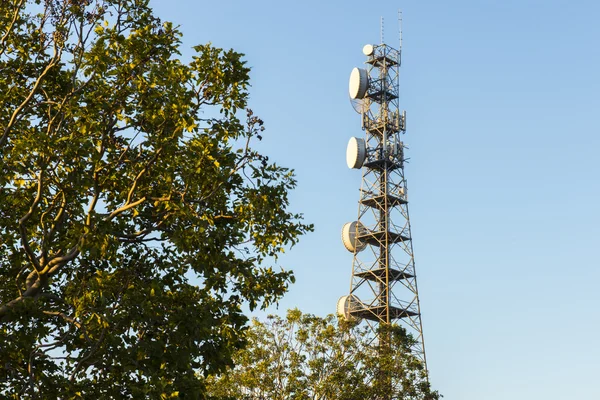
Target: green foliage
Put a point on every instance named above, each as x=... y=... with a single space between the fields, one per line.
x=305 y=357
x=135 y=217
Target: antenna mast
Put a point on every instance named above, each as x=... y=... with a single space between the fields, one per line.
x=400 y=32
x=383 y=288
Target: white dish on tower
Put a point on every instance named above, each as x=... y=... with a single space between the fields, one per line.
x=350 y=233
x=345 y=305
x=356 y=152
x=368 y=50
x=359 y=83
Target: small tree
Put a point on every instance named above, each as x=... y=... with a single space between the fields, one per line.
x=307 y=357
x=135 y=217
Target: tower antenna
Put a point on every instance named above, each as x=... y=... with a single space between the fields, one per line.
x=383 y=286
x=400 y=28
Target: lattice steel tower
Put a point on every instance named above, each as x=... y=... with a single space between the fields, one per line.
x=383 y=287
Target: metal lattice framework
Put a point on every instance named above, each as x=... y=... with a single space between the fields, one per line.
x=384 y=281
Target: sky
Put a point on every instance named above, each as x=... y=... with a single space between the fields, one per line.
x=502 y=101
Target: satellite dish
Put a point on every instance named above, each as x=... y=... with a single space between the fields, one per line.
x=368 y=50
x=346 y=304
x=359 y=83
x=356 y=152
x=350 y=233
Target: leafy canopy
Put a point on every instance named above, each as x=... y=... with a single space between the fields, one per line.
x=135 y=217
x=304 y=357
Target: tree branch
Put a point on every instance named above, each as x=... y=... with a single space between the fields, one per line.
x=31 y=291
x=23 y=230
x=55 y=59
x=4 y=38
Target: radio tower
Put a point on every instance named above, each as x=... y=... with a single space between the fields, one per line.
x=383 y=287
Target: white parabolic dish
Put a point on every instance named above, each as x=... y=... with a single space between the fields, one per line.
x=346 y=304
x=368 y=49
x=349 y=237
x=359 y=83
x=356 y=152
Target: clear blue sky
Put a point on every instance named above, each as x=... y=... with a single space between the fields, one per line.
x=503 y=103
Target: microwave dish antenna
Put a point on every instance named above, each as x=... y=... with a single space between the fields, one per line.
x=356 y=153
x=359 y=83
x=350 y=236
x=345 y=306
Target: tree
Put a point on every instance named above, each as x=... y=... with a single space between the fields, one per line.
x=135 y=217
x=307 y=357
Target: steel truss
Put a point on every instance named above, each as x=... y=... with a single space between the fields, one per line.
x=383 y=274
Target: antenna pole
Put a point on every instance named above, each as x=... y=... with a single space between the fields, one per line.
x=400 y=28
x=381 y=30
